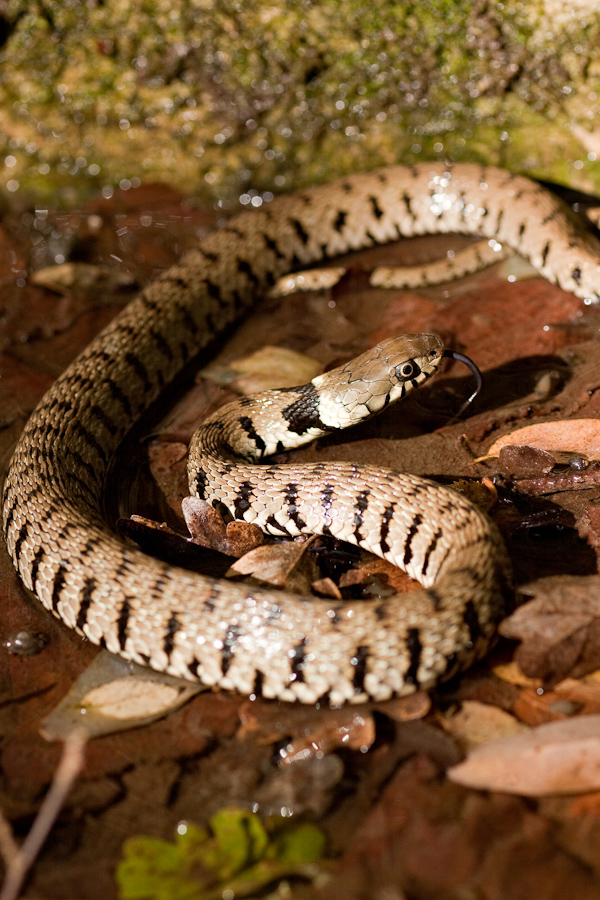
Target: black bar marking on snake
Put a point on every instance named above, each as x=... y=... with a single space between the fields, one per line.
x=59 y=583
x=414 y=527
x=193 y=667
x=200 y=483
x=408 y=204
x=362 y=502
x=213 y=290
x=415 y=648
x=90 y=439
x=472 y=621
x=375 y=208
x=259 y=679
x=302 y=414
x=99 y=414
x=10 y=515
x=545 y=253
x=299 y=229
x=228 y=650
x=499 y=221
x=242 y=503
x=187 y=319
x=340 y=220
x=274 y=525
x=88 y=589
x=290 y=496
x=550 y=217
x=326 y=502
x=297 y=656
x=82 y=463
x=173 y=626
x=123 y=622
x=161 y=343
x=19 y=542
x=118 y=395
x=245 y=267
x=430 y=550
x=576 y=274
x=359 y=662
x=248 y=426
x=37 y=559
x=139 y=368
x=273 y=247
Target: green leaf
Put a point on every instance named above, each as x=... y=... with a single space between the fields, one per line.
x=238 y=854
x=303 y=844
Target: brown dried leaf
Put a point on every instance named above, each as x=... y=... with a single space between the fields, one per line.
x=326 y=587
x=276 y=564
x=581 y=436
x=270 y=367
x=208 y=529
x=558 y=758
x=522 y=460
x=560 y=630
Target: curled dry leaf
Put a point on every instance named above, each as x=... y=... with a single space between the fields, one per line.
x=270 y=367
x=208 y=529
x=581 y=436
x=559 y=629
x=115 y=695
x=558 y=758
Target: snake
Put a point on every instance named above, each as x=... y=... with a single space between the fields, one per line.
x=235 y=636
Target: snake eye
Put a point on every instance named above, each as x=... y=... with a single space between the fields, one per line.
x=407 y=370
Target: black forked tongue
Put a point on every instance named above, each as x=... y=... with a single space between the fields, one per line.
x=459 y=357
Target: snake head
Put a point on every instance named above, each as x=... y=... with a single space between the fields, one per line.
x=382 y=375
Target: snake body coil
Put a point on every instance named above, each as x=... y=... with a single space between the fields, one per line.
x=235 y=636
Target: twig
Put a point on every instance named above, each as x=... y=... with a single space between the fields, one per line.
x=19 y=859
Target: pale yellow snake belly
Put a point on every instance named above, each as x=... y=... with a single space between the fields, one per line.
x=235 y=636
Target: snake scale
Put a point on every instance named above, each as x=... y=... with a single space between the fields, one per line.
x=236 y=636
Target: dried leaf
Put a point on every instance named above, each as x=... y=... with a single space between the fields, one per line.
x=524 y=461
x=326 y=587
x=274 y=564
x=270 y=367
x=476 y=723
x=558 y=758
x=208 y=529
x=114 y=695
x=72 y=277
x=581 y=436
x=560 y=630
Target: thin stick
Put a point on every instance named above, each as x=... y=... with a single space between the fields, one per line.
x=19 y=859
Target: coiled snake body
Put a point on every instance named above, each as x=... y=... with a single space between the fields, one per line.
x=234 y=636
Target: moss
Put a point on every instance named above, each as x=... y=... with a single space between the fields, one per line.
x=220 y=97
